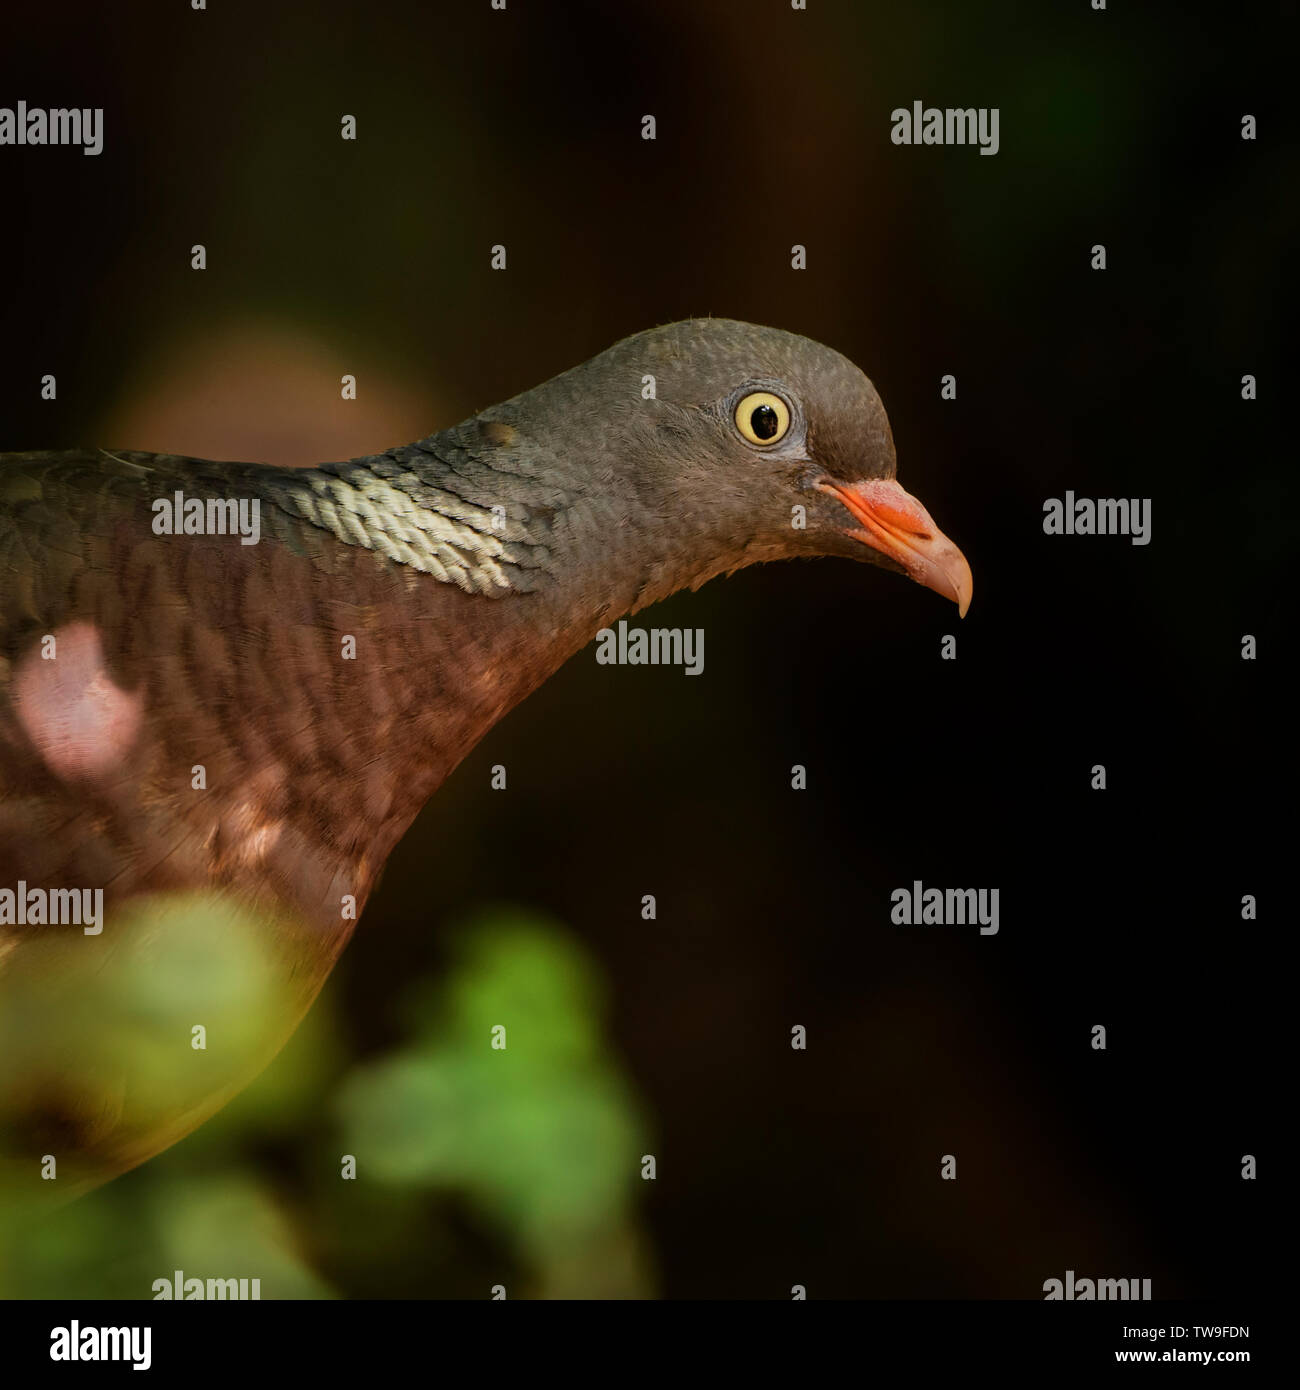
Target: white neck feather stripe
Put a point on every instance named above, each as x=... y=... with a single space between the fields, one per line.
x=359 y=508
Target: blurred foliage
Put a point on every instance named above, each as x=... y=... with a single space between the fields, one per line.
x=507 y=1094
x=96 y=1058
x=538 y=1142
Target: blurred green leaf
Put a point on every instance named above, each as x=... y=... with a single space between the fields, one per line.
x=542 y=1135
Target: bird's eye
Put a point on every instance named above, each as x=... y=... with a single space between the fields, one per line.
x=762 y=417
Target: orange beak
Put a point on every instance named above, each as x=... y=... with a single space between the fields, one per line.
x=897 y=525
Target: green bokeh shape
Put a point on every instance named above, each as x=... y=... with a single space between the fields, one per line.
x=543 y=1136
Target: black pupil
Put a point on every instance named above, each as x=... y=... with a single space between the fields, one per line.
x=764 y=422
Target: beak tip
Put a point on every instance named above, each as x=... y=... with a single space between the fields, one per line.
x=965 y=590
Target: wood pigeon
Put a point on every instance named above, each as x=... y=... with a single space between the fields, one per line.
x=226 y=689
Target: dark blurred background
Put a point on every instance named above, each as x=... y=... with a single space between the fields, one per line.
x=1121 y=907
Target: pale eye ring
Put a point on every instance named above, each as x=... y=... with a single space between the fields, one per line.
x=762 y=418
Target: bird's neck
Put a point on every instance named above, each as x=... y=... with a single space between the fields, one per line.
x=470 y=508
x=464 y=581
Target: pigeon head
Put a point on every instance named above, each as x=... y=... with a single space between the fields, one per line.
x=738 y=444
